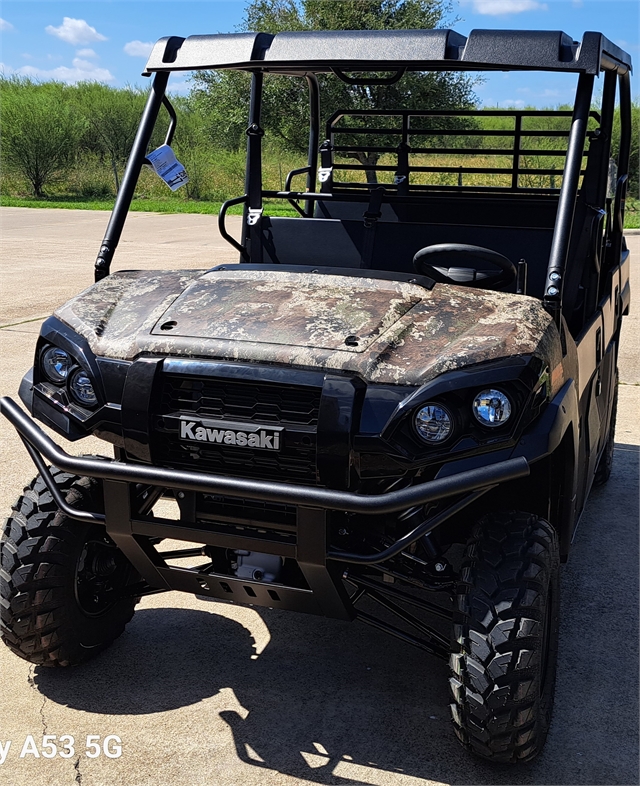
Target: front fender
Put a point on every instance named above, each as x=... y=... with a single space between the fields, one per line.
x=544 y=436
x=25 y=391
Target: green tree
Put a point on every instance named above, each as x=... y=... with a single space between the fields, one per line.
x=634 y=157
x=191 y=148
x=40 y=130
x=223 y=96
x=112 y=116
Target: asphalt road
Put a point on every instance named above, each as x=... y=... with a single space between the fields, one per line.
x=207 y=693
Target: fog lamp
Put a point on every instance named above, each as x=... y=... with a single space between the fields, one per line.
x=81 y=388
x=491 y=408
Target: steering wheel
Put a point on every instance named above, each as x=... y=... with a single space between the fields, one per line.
x=454 y=265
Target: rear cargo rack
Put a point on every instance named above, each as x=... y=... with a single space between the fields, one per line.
x=513 y=161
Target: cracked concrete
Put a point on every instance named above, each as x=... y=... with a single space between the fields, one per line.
x=208 y=693
x=32 y=683
x=78 y=774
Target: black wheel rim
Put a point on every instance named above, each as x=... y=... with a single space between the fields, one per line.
x=101 y=574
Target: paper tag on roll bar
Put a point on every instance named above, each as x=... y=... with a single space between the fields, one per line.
x=167 y=166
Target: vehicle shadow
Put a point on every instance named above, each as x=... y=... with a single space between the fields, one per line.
x=329 y=701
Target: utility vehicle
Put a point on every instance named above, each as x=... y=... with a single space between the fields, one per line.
x=406 y=387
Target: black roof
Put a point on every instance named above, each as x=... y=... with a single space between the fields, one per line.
x=357 y=50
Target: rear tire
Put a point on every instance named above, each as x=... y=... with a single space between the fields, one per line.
x=503 y=661
x=61 y=581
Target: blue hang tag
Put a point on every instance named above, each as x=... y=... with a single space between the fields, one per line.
x=166 y=165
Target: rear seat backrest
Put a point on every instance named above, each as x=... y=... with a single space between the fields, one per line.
x=339 y=243
x=307 y=241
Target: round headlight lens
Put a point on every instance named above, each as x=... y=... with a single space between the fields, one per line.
x=491 y=408
x=56 y=364
x=82 y=390
x=433 y=423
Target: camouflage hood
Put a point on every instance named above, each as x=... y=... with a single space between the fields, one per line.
x=386 y=331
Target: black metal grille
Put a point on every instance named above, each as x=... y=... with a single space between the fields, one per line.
x=294 y=407
x=222 y=399
x=288 y=465
x=249 y=512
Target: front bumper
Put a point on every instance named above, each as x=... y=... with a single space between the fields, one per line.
x=131 y=526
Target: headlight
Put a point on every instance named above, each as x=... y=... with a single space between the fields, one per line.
x=55 y=364
x=433 y=423
x=491 y=408
x=82 y=390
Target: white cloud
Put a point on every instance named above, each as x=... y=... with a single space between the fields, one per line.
x=75 y=31
x=138 y=48
x=80 y=71
x=86 y=53
x=504 y=7
x=627 y=45
x=84 y=65
x=4 y=25
x=180 y=87
x=511 y=103
x=546 y=92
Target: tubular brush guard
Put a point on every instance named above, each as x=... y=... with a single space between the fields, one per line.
x=326 y=594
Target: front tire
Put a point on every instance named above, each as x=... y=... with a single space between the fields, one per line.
x=63 y=583
x=503 y=661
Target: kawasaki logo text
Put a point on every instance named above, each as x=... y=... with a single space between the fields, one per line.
x=263 y=439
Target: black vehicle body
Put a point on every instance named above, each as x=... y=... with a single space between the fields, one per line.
x=351 y=490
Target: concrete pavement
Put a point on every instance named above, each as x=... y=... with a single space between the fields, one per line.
x=49 y=254
x=207 y=693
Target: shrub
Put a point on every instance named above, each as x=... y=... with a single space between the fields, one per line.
x=40 y=130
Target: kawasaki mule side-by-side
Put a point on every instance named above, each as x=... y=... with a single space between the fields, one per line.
x=406 y=386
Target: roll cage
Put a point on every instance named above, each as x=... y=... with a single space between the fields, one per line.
x=559 y=205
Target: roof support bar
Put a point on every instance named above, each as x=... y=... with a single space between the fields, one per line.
x=131 y=175
x=253 y=178
x=606 y=122
x=314 y=137
x=601 y=145
x=625 y=124
x=567 y=201
x=623 y=168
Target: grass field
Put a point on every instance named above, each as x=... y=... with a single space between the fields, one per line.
x=632 y=214
x=174 y=205
x=150 y=205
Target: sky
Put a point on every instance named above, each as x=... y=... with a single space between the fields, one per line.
x=108 y=40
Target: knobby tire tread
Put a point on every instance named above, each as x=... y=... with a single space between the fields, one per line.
x=511 y=565
x=40 y=619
